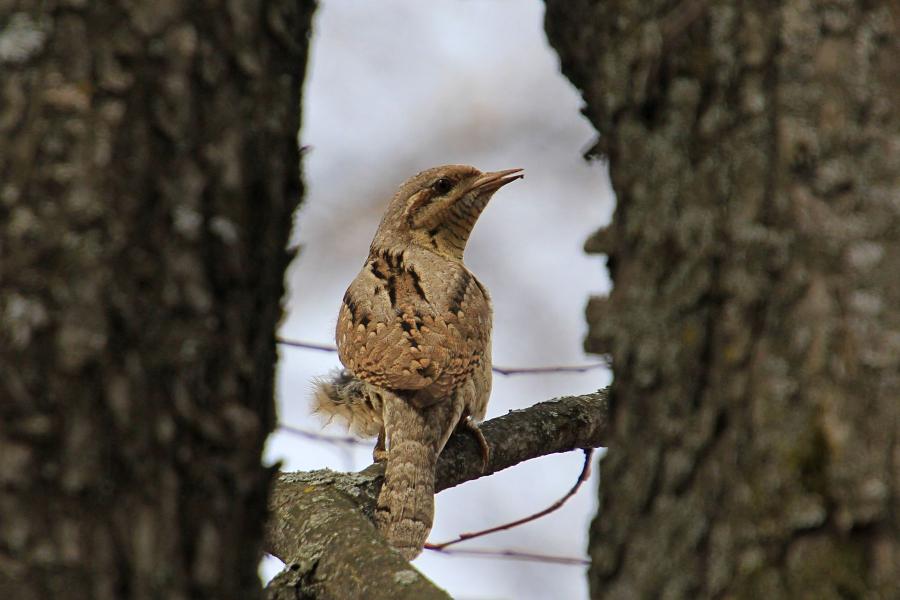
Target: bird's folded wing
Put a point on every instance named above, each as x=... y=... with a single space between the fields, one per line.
x=406 y=349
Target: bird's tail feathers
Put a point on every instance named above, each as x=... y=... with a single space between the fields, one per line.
x=351 y=400
x=415 y=436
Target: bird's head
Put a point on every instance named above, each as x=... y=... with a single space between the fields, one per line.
x=437 y=208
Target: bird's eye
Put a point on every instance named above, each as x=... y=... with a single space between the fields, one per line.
x=442 y=185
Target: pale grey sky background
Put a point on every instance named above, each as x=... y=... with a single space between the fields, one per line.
x=398 y=86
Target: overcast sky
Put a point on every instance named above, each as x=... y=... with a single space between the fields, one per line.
x=395 y=87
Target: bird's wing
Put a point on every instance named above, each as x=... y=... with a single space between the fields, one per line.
x=389 y=337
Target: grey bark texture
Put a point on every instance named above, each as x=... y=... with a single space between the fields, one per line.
x=149 y=170
x=321 y=521
x=754 y=323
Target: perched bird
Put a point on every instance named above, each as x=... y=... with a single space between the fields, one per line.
x=414 y=336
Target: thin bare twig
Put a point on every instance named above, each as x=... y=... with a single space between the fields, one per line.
x=497 y=369
x=307 y=345
x=321 y=437
x=515 y=555
x=585 y=473
x=540 y=370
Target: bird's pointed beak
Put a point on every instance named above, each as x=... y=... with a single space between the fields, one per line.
x=493 y=181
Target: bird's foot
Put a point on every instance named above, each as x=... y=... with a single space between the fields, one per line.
x=472 y=426
x=379 y=454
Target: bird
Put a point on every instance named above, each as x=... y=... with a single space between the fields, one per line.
x=414 y=337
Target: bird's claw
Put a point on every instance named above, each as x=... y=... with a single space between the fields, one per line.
x=472 y=426
x=379 y=454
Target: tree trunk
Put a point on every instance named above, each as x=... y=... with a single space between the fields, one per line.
x=754 y=323
x=148 y=176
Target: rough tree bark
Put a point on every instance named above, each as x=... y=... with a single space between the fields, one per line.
x=754 y=324
x=149 y=170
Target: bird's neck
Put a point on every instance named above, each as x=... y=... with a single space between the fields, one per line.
x=415 y=252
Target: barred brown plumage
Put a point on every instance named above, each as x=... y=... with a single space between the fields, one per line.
x=414 y=335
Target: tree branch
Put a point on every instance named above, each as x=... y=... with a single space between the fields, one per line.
x=320 y=522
